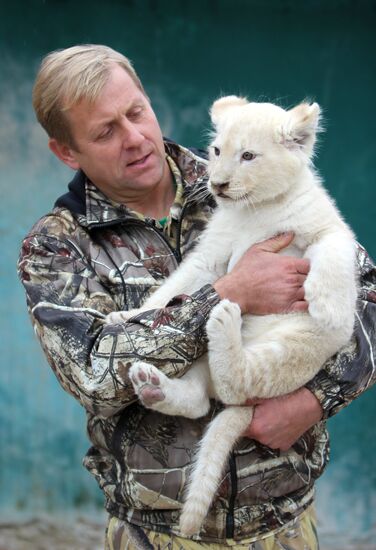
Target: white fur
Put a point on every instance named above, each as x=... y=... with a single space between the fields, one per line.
x=255 y=356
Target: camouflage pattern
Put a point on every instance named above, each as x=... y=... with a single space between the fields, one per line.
x=79 y=264
x=352 y=371
x=300 y=534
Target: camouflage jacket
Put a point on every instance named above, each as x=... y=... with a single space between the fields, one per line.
x=90 y=256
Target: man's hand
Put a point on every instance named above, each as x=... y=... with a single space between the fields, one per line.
x=278 y=422
x=264 y=282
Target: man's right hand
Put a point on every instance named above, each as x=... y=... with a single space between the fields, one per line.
x=264 y=282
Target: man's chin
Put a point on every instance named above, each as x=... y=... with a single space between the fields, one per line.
x=148 y=175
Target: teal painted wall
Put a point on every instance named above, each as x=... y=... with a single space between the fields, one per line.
x=187 y=53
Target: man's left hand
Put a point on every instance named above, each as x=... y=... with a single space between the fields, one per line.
x=279 y=421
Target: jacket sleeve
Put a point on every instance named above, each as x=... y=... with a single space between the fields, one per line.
x=67 y=303
x=352 y=370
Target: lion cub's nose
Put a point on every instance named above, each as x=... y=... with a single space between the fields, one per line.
x=219 y=186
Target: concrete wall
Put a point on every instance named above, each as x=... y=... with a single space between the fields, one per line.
x=187 y=53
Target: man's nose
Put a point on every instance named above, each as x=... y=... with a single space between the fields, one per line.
x=132 y=136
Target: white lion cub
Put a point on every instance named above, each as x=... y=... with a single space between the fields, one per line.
x=261 y=175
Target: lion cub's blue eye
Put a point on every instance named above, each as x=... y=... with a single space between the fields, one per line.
x=247 y=155
x=216 y=151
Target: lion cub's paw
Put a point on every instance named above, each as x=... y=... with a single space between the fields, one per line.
x=224 y=319
x=329 y=310
x=116 y=317
x=148 y=383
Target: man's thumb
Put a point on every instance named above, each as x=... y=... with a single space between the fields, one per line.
x=278 y=242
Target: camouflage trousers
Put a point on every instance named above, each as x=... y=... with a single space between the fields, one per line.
x=299 y=534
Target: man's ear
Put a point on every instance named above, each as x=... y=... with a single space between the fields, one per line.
x=64 y=153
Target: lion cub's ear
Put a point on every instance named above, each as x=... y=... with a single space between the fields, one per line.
x=301 y=127
x=222 y=104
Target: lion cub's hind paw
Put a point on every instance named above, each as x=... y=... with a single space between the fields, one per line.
x=146 y=380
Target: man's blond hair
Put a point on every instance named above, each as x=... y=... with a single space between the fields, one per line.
x=68 y=76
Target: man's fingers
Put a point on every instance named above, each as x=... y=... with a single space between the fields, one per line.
x=254 y=401
x=298 y=307
x=296 y=279
x=301 y=279
x=302 y=266
x=277 y=243
x=299 y=297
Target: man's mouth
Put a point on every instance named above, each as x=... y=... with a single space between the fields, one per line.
x=139 y=161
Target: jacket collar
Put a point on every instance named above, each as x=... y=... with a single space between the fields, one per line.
x=92 y=208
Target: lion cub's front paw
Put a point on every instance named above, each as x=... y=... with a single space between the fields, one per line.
x=225 y=319
x=120 y=316
x=329 y=310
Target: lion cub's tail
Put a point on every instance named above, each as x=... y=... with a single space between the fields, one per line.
x=215 y=447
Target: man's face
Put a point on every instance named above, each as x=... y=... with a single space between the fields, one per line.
x=118 y=141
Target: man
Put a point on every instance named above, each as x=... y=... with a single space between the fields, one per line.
x=135 y=207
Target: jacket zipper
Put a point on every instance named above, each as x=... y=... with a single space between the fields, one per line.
x=178 y=236
x=230 y=523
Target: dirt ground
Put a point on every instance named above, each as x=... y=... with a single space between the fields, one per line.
x=47 y=533
x=83 y=533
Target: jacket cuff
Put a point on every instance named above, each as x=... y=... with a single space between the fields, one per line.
x=203 y=299
x=327 y=393
x=206 y=298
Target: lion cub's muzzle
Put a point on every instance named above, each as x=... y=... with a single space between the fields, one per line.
x=220 y=188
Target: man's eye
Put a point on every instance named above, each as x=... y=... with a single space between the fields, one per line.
x=247 y=155
x=105 y=134
x=135 y=113
x=217 y=152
